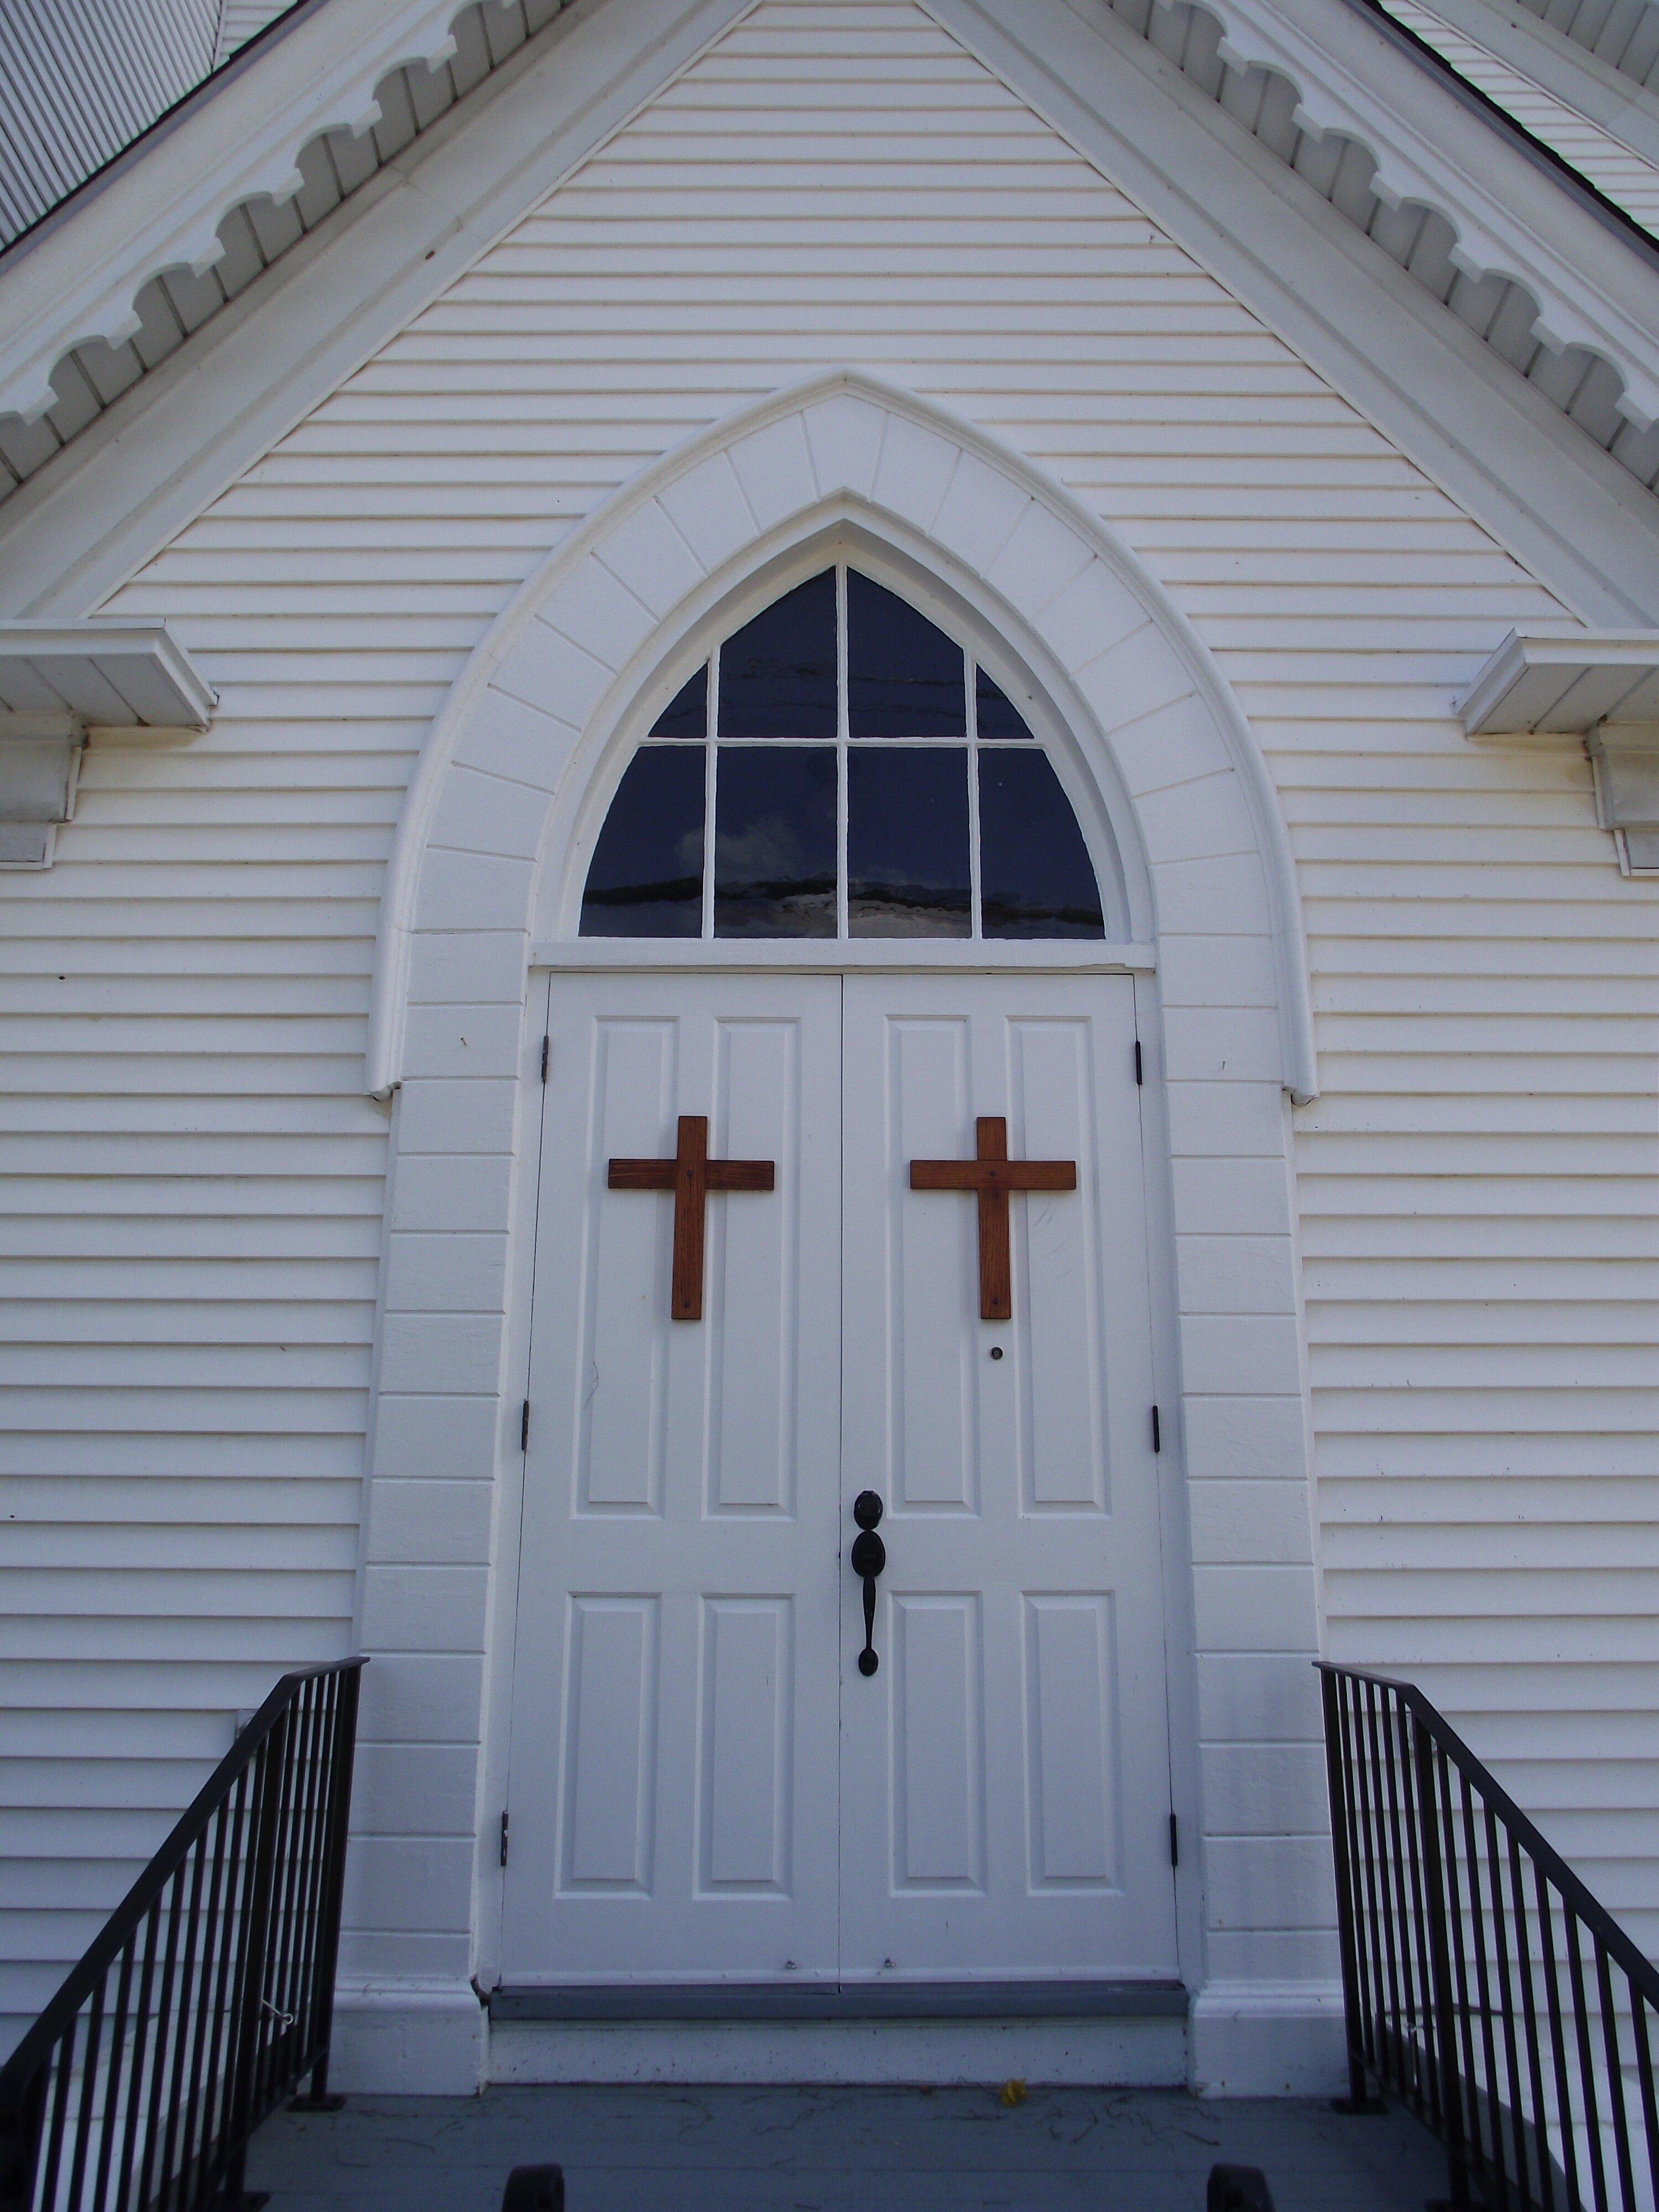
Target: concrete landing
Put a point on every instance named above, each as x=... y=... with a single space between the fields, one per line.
x=674 y=2149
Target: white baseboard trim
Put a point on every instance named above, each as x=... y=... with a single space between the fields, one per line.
x=1268 y=2039
x=413 y=2038
x=1095 y=2053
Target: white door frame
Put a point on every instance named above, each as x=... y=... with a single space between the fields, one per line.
x=511 y=781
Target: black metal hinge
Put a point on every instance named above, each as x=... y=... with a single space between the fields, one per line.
x=1175 y=1841
x=524 y=1427
x=547 y=1050
x=1157 y=1433
x=1139 y=1075
x=504 y=1839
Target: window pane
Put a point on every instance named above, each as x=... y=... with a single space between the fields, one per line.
x=904 y=678
x=1036 y=877
x=907 y=844
x=998 y=716
x=686 y=715
x=645 y=877
x=778 y=673
x=775 y=843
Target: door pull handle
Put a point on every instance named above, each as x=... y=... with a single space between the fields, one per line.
x=868 y=1557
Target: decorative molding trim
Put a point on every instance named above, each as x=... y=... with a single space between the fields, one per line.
x=76 y=282
x=1569 y=511
x=1564 y=66
x=156 y=456
x=569 y=655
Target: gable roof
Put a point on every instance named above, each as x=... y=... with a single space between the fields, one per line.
x=76 y=87
x=187 y=216
x=1399 y=147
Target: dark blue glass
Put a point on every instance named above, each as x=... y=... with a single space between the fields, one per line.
x=907 y=843
x=646 y=876
x=905 y=679
x=1036 y=878
x=778 y=673
x=774 y=841
x=686 y=715
x=997 y=714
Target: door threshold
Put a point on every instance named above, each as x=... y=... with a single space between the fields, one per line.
x=848 y=2001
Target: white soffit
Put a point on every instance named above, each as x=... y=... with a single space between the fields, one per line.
x=107 y=676
x=1563 y=687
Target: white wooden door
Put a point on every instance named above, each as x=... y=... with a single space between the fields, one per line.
x=1005 y=1775
x=702 y=1783
x=672 y=1784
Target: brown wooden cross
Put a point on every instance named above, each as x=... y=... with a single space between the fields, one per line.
x=691 y=1175
x=993 y=1175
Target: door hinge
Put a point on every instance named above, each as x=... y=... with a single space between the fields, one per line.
x=524 y=1427
x=504 y=1839
x=1175 y=1840
x=547 y=1054
x=1138 y=1076
x=1157 y=1433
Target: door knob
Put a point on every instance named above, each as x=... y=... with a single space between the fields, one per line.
x=869 y=1557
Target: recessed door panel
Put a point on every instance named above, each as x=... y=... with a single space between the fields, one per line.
x=743 y=1752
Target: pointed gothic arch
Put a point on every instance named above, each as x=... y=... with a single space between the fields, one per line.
x=522 y=757
x=552 y=690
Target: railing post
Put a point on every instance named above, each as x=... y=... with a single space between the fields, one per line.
x=256 y=1944
x=1445 y=2002
x=317 y=2098
x=1336 y=1779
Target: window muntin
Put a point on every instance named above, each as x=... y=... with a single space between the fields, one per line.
x=863 y=776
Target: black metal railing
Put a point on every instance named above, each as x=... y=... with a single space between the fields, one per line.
x=209 y=1993
x=1484 y=1985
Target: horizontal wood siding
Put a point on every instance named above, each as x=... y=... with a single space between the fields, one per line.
x=191 y=1285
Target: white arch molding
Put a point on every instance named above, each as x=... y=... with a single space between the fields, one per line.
x=490 y=856
x=533 y=715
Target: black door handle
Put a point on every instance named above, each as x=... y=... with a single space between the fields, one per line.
x=869 y=1557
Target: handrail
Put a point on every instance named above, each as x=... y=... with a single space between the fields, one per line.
x=209 y=1994
x=1483 y=1984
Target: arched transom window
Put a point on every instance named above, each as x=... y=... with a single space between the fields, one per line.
x=865 y=778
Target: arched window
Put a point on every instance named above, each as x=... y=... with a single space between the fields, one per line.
x=865 y=778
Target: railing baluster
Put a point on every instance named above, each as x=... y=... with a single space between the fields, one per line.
x=1586 y=2062
x=138 y=2086
x=1617 y=2113
x=112 y=2093
x=1539 y=2138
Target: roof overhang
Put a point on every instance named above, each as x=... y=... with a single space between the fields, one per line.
x=126 y=677
x=1547 y=688
x=1601 y=692
x=60 y=684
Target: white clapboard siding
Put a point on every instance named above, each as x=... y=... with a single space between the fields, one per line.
x=1612 y=167
x=830 y=183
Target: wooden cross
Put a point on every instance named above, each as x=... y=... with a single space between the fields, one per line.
x=691 y=1175
x=993 y=1175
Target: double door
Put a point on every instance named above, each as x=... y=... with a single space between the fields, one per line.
x=703 y=1783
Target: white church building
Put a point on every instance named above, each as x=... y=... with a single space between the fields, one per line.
x=768 y=756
